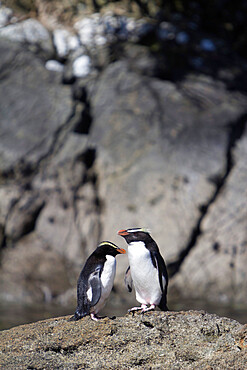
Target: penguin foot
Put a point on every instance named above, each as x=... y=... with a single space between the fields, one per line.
x=133 y=309
x=75 y=317
x=96 y=317
x=150 y=308
x=143 y=308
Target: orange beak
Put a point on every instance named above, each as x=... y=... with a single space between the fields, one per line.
x=122 y=251
x=123 y=232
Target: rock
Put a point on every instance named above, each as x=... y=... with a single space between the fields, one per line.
x=166 y=31
x=22 y=216
x=28 y=98
x=159 y=149
x=33 y=272
x=125 y=149
x=48 y=202
x=5 y=15
x=54 y=65
x=81 y=66
x=29 y=31
x=90 y=31
x=178 y=340
x=64 y=42
x=98 y=30
x=221 y=249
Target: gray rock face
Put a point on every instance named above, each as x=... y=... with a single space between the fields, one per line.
x=29 y=31
x=177 y=340
x=5 y=16
x=47 y=205
x=159 y=148
x=221 y=250
x=30 y=96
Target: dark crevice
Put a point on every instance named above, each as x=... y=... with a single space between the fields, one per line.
x=59 y=349
x=84 y=124
x=88 y=157
x=4 y=241
x=236 y=130
x=68 y=80
x=30 y=225
x=80 y=95
x=148 y=324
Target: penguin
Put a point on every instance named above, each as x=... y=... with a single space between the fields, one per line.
x=147 y=270
x=96 y=280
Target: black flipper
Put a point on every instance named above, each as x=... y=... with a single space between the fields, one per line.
x=163 y=305
x=128 y=280
x=83 y=303
x=159 y=263
x=95 y=284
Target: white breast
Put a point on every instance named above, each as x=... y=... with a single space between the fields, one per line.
x=145 y=276
x=107 y=279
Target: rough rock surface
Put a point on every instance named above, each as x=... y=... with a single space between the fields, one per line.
x=156 y=340
x=46 y=189
x=161 y=150
x=221 y=250
x=30 y=96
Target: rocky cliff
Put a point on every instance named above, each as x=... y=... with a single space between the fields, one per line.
x=100 y=131
x=156 y=340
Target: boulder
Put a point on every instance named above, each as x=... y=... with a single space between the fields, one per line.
x=48 y=202
x=31 y=115
x=30 y=32
x=221 y=250
x=160 y=149
x=178 y=340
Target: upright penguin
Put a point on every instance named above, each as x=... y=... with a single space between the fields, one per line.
x=96 y=280
x=146 y=269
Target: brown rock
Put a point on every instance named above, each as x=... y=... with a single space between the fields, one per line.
x=178 y=340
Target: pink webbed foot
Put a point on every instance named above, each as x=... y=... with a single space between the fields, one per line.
x=95 y=317
x=150 y=308
x=143 y=308
x=133 y=309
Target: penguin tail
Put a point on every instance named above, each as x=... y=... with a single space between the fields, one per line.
x=163 y=307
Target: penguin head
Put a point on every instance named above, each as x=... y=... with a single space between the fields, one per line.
x=109 y=248
x=135 y=234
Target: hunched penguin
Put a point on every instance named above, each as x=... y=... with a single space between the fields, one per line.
x=147 y=270
x=96 y=280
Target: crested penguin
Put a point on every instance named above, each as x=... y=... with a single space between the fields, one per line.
x=147 y=270
x=96 y=280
